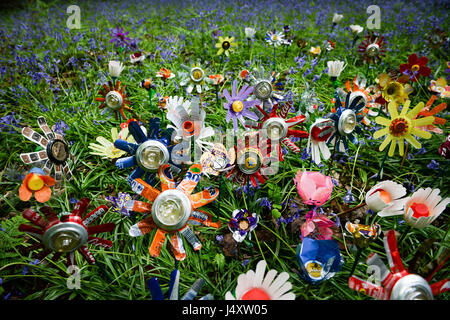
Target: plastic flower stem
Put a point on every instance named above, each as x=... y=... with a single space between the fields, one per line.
x=358 y=255
x=219 y=200
x=354 y=164
x=404 y=156
x=332 y=157
x=217 y=96
x=274 y=57
x=382 y=164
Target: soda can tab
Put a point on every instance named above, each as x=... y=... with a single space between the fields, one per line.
x=191 y=237
x=94 y=215
x=86 y=253
x=199 y=217
x=177 y=247
x=107 y=227
x=157 y=243
x=100 y=242
x=81 y=206
x=34 y=218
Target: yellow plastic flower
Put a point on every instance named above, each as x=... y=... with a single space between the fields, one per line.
x=402 y=126
x=315 y=50
x=393 y=90
x=106 y=148
x=225 y=45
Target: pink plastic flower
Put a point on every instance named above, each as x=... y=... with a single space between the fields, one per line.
x=317 y=226
x=313 y=187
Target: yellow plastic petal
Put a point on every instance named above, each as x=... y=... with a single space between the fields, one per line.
x=401 y=146
x=414 y=112
x=421 y=133
x=392 y=107
x=416 y=144
x=221 y=40
x=381 y=133
x=383 y=121
x=392 y=147
x=385 y=142
x=114 y=134
x=423 y=121
x=384 y=80
x=405 y=107
x=220 y=52
x=218 y=45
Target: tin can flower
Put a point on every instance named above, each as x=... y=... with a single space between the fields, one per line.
x=335 y=69
x=319 y=260
x=362 y=234
x=372 y=48
x=165 y=74
x=217 y=159
x=346 y=120
x=36 y=181
x=195 y=77
x=313 y=187
x=277 y=128
x=137 y=57
x=397 y=283
x=444 y=149
x=106 y=149
x=317 y=226
x=225 y=45
x=263 y=89
x=315 y=51
x=257 y=285
x=172 y=209
x=426 y=112
x=54 y=154
x=249 y=33
x=402 y=127
x=242 y=223
x=386 y=198
x=423 y=207
x=69 y=233
x=415 y=67
x=440 y=86
x=237 y=107
x=393 y=90
x=253 y=161
x=113 y=99
x=319 y=132
x=274 y=38
x=436 y=38
x=151 y=150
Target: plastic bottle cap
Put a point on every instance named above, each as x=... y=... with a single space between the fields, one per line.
x=256 y=294
x=384 y=195
x=420 y=210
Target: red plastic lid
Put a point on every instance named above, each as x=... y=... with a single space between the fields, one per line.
x=256 y=294
x=420 y=210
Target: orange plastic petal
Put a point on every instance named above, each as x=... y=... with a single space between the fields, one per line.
x=49 y=181
x=43 y=195
x=24 y=193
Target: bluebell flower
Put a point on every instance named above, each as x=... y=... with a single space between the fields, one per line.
x=219 y=238
x=265 y=203
x=433 y=165
x=348 y=197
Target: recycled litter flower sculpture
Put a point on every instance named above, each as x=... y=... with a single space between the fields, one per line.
x=263 y=89
x=372 y=48
x=237 y=107
x=393 y=90
x=165 y=74
x=415 y=67
x=426 y=112
x=106 y=149
x=55 y=153
x=423 y=207
x=397 y=284
x=440 y=86
x=150 y=151
x=319 y=260
x=195 y=77
x=444 y=149
x=278 y=129
x=317 y=226
x=319 y=132
x=172 y=209
x=217 y=159
x=225 y=45
x=313 y=187
x=257 y=285
x=346 y=120
x=275 y=38
x=113 y=99
x=38 y=183
x=386 y=198
x=402 y=127
x=69 y=233
x=253 y=161
x=362 y=234
x=242 y=223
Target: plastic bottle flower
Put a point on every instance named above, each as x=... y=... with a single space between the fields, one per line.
x=313 y=187
x=372 y=48
x=217 y=159
x=237 y=107
x=274 y=38
x=315 y=51
x=397 y=284
x=256 y=285
x=137 y=57
x=249 y=33
x=106 y=149
x=55 y=153
x=335 y=69
x=415 y=67
x=263 y=89
x=36 y=181
x=402 y=126
x=242 y=223
x=165 y=74
x=252 y=161
x=150 y=151
x=195 y=77
x=115 y=68
x=319 y=260
x=277 y=128
x=362 y=234
x=69 y=233
x=423 y=207
x=440 y=86
x=225 y=45
x=309 y=102
x=317 y=226
x=319 y=132
x=346 y=120
x=393 y=90
x=426 y=112
x=386 y=198
x=172 y=209
x=113 y=99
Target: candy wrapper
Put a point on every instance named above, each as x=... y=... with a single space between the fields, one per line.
x=319 y=260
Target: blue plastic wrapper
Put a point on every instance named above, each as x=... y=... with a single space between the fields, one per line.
x=319 y=260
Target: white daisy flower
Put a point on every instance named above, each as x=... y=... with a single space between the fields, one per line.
x=320 y=131
x=255 y=286
x=115 y=68
x=385 y=198
x=275 y=38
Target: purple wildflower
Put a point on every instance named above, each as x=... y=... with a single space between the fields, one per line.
x=236 y=105
x=119 y=37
